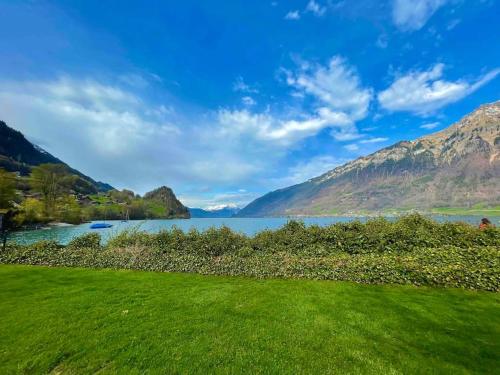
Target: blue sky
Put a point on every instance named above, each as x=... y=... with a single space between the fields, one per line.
x=227 y=100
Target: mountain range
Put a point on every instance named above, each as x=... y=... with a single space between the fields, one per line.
x=456 y=167
x=219 y=212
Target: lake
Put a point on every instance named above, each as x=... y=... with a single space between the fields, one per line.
x=249 y=226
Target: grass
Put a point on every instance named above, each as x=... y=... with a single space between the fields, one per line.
x=475 y=210
x=101 y=199
x=85 y=321
x=157 y=209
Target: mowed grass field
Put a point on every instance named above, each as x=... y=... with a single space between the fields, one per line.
x=64 y=321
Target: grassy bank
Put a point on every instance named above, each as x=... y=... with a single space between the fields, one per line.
x=478 y=210
x=85 y=321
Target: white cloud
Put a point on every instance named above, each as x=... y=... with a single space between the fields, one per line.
x=355 y=146
x=306 y=170
x=423 y=92
x=239 y=85
x=382 y=41
x=452 y=24
x=340 y=101
x=116 y=136
x=336 y=85
x=267 y=128
x=248 y=101
x=93 y=127
x=352 y=147
x=374 y=140
x=411 y=15
x=430 y=125
x=293 y=15
x=284 y=132
x=315 y=8
x=133 y=79
x=139 y=81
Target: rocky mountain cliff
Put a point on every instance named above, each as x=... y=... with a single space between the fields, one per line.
x=17 y=154
x=456 y=167
x=167 y=199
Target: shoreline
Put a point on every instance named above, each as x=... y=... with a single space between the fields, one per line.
x=494 y=213
x=495 y=216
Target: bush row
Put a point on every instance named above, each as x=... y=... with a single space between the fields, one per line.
x=375 y=236
x=413 y=250
x=471 y=268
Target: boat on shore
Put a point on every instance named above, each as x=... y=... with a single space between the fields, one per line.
x=100 y=225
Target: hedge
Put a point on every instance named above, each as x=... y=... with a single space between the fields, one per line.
x=411 y=250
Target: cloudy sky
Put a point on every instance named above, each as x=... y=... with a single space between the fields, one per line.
x=227 y=100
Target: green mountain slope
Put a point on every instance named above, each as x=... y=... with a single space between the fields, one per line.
x=17 y=154
x=456 y=167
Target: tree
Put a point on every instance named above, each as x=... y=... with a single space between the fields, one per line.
x=124 y=196
x=52 y=181
x=7 y=188
x=31 y=211
x=137 y=209
x=68 y=210
x=6 y=224
x=81 y=185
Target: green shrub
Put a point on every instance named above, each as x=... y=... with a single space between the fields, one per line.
x=88 y=240
x=218 y=241
x=129 y=237
x=167 y=241
x=245 y=252
x=45 y=246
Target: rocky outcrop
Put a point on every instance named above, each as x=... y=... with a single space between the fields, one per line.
x=165 y=197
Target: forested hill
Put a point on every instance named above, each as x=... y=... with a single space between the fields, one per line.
x=48 y=190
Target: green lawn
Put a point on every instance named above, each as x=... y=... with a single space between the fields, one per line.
x=85 y=321
x=478 y=210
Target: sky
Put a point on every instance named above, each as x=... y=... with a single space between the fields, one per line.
x=227 y=100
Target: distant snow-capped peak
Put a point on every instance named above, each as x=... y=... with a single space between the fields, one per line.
x=219 y=207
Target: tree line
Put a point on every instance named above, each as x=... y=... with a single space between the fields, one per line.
x=47 y=194
x=52 y=193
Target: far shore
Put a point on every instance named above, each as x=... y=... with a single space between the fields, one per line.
x=372 y=214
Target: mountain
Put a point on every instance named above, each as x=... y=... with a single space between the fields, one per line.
x=17 y=154
x=222 y=212
x=166 y=200
x=456 y=167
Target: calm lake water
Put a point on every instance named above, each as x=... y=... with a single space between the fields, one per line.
x=248 y=226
